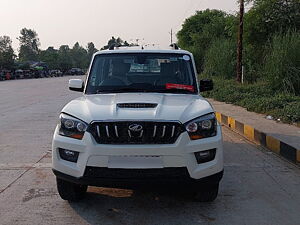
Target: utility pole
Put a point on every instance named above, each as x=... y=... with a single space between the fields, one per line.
x=171 y=33
x=239 y=67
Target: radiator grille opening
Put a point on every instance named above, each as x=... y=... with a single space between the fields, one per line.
x=136 y=132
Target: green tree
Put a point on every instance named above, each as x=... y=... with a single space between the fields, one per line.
x=64 y=58
x=264 y=20
x=29 y=45
x=268 y=17
x=91 y=49
x=6 y=53
x=201 y=29
x=79 y=56
x=50 y=56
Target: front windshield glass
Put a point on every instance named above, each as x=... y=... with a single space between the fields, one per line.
x=140 y=72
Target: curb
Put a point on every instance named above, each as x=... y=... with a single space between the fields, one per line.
x=275 y=145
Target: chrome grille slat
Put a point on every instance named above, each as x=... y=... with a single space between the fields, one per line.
x=107 y=131
x=164 y=131
x=116 y=131
x=98 y=131
x=154 y=131
x=173 y=131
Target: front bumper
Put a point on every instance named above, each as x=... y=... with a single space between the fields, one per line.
x=133 y=178
x=159 y=156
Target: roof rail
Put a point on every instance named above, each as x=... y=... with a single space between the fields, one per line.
x=114 y=45
x=174 y=46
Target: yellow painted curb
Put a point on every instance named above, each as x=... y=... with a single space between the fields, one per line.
x=219 y=117
x=249 y=132
x=231 y=122
x=298 y=156
x=273 y=144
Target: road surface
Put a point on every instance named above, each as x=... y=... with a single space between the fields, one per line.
x=258 y=187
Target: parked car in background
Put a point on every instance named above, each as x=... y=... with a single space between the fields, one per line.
x=75 y=71
x=36 y=72
x=28 y=74
x=2 y=75
x=19 y=74
x=55 y=73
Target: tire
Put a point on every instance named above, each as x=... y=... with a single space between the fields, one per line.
x=209 y=194
x=70 y=191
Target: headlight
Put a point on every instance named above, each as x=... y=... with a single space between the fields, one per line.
x=202 y=127
x=71 y=127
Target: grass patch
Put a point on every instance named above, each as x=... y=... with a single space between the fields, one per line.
x=258 y=97
x=282 y=63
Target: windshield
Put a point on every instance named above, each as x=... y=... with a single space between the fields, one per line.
x=142 y=72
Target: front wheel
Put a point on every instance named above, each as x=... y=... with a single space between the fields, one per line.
x=70 y=191
x=208 y=194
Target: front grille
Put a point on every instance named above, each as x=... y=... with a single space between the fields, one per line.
x=137 y=105
x=133 y=132
x=167 y=173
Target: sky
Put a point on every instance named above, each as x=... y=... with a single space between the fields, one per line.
x=59 y=22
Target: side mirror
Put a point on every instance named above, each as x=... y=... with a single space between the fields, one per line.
x=76 y=85
x=206 y=85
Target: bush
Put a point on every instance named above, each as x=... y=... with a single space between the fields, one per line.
x=282 y=66
x=220 y=59
x=258 y=97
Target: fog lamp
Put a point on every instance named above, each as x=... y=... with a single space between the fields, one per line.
x=205 y=156
x=68 y=155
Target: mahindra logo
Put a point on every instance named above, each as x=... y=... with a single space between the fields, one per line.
x=135 y=127
x=135 y=130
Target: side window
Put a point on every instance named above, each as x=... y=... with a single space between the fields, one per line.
x=98 y=72
x=109 y=67
x=93 y=74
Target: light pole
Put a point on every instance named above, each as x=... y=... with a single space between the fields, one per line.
x=171 y=33
x=239 y=67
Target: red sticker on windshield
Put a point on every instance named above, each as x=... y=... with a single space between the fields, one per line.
x=180 y=86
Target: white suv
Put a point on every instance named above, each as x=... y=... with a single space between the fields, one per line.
x=140 y=122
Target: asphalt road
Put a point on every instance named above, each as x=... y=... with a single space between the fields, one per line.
x=258 y=187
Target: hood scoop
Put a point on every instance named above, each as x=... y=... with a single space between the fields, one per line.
x=137 y=105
